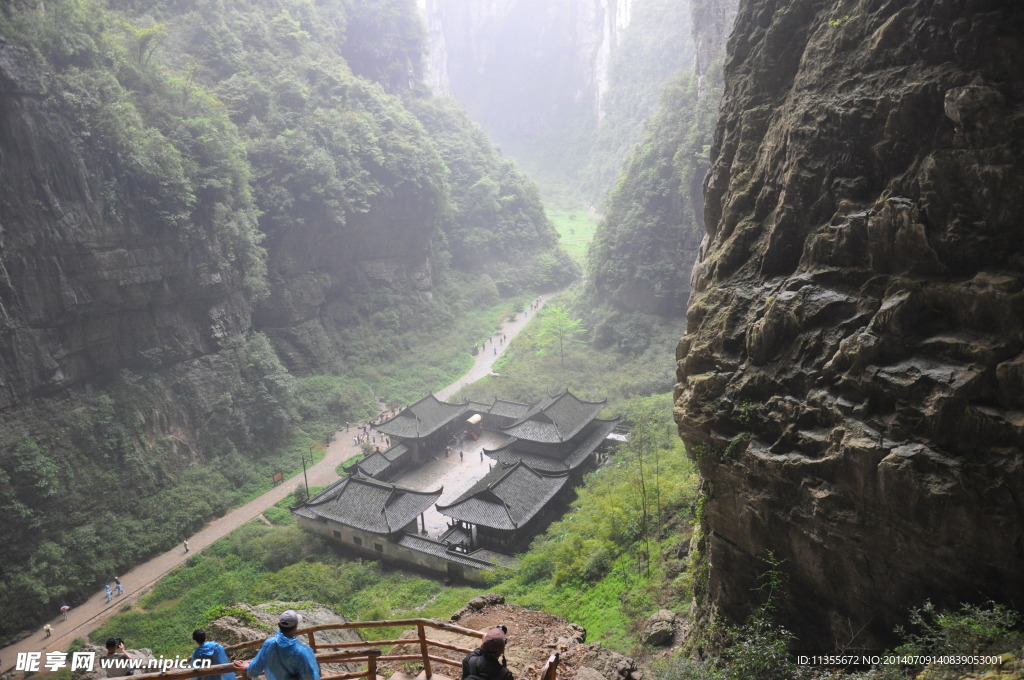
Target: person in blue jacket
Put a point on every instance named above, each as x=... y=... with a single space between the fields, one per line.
x=283 y=657
x=212 y=651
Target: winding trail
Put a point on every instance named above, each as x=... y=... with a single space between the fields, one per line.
x=95 y=611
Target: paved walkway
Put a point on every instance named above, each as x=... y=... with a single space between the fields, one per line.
x=89 y=615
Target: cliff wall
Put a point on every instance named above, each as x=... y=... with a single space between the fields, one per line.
x=489 y=53
x=646 y=246
x=851 y=376
x=712 y=24
x=97 y=272
x=564 y=87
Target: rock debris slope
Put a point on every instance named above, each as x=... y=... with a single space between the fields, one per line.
x=851 y=378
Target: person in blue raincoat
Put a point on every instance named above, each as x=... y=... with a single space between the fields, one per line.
x=283 y=657
x=213 y=651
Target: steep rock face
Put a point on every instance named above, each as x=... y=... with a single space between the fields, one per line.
x=851 y=376
x=565 y=46
x=322 y=268
x=90 y=285
x=712 y=23
x=646 y=246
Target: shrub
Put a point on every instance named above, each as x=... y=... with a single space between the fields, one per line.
x=971 y=629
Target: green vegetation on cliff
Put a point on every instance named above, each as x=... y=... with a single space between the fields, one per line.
x=645 y=248
x=246 y=140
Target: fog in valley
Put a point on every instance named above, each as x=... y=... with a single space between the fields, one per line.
x=681 y=337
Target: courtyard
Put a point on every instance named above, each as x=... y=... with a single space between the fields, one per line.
x=453 y=473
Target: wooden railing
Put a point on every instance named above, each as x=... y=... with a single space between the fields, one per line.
x=370 y=655
x=358 y=651
x=421 y=640
x=550 y=670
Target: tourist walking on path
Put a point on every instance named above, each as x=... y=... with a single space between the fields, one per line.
x=95 y=611
x=48 y=629
x=110 y=595
x=117 y=586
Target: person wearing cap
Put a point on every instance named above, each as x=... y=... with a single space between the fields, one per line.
x=483 y=663
x=283 y=657
x=211 y=650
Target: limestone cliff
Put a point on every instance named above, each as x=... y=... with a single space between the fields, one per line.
x=851 y=376
x=712 y=23
x=97 y=272
x=645 y=248
x=489 y=53
x=564 y=87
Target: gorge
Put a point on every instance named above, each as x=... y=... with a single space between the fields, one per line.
x=222 y=222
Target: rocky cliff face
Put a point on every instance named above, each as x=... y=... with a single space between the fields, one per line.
x=653 y=226
x=712 y=23
x=851 y=377
x=489 y=53
x=91 y=283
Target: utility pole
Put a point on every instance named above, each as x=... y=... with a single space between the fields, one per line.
x=304 y=477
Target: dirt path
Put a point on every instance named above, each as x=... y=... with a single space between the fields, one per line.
x=89 y=615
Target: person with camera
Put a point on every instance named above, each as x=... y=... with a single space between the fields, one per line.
x=116 y=661
x=487 y=662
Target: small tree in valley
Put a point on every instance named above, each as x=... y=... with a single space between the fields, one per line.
x=557 y=326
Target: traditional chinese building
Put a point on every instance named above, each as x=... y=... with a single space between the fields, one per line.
x=426 y=426
x=370 y=517
x=505 y=509
x=385 y=465
x=560 y=434
x=543 y=451
x=364 y=513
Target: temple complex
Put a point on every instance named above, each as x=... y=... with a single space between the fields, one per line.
x=540 y=456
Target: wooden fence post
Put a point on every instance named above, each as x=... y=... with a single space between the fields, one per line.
x=424 y=651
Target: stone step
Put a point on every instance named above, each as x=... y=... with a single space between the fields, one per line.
x=399 y=675
x=435 y=676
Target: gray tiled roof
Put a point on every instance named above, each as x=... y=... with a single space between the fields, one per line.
x=477 y=558
x=509 y=409
x=509 y=455
x=456 y=534
x=506 y=498
x=368 y=504
x=421 y=419
x=374 y=464
x=556 y=419
x=396 y=452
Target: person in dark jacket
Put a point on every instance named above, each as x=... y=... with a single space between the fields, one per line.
x=209 y=650
x=487 y=662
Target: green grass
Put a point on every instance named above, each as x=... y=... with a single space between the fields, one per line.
x=528 y=369
x=584 y=568
x=576 y=230
x=435 y=359
x=257 y=564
